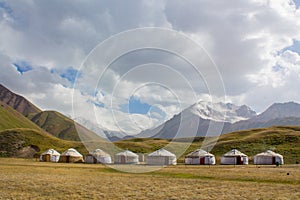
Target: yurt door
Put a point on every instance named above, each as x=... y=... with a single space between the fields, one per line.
x=67 y=159
x=167 y=160
x=239 y=160
x=123 y=159
x=273 y=160
x=95 y=159
x=202 y=160
x=47 y=157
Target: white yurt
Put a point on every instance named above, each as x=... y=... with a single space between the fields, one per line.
x=161 y=157
x=234 y=157
x=50 y=156
x=268 y=158
x=71 y=156
x=200 y=157
x=126 y=157
x=98 y=156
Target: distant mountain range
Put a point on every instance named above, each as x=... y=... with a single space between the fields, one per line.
x=196 y=117
x=235 y=118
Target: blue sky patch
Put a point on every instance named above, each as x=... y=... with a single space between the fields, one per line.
x=99 y=104
x=7 y=9
x=136 y=106
x=295 y=47
x=297 y=2
x=22 y=66
x=277 y=68
x=70 y=74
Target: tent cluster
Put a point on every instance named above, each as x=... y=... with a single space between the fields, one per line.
x=161 y=157
x=233 y=157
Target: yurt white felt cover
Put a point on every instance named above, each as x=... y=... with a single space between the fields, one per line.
x=200 y=157
x=50 y=156
x=98 y=156
x=71 y=156
x=268 y=158
x=126 y=157
x=234 y=157
x=161 y=157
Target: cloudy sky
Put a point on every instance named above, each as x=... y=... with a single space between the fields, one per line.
x=91 y=59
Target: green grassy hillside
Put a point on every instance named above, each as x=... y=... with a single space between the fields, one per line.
x=18 y=142
x=10 y=118
x=56 y=124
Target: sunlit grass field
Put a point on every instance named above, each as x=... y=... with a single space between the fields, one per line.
x=28 y=179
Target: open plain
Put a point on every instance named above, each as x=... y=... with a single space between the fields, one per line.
x=28 y=179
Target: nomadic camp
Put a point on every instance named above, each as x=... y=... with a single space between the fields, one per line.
x=71 y=156
x=268 y=158
x=50 y=156
x=161 y=157
x=200 y=157
x=234 y=157
x=98 y=156
x=126 y=157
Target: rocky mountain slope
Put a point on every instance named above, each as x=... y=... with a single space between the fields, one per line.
x=233 y=118
x=18 y=112
x=17 y=102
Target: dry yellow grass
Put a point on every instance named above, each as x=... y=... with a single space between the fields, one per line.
x=27 y=179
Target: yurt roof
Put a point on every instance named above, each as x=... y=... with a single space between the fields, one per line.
x=51 y=152
x=199 y=153
x=71 y=152
x=100 y=152
x=127 y=153
x=161 y=152
x=234 y=152
x=269 y=153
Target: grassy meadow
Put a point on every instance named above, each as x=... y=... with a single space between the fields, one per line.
x=28 y=179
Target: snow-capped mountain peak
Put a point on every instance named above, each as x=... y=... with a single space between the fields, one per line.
x=221 y=112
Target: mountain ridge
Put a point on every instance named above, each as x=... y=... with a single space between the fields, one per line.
x=18 y=102
x=52 y=122
x=276 y=114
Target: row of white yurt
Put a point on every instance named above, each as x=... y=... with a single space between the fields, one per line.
x=161 y=157
x=73 y=156
x=235 y=157
x=69 y=156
